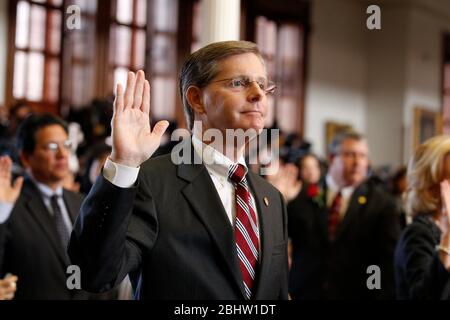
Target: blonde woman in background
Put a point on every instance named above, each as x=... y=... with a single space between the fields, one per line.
x=422 y=259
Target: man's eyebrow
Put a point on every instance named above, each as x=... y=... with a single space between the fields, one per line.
x=249 y=77
x=55 y=141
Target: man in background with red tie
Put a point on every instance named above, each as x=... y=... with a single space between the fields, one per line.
x=205 y=228
x=339 y=231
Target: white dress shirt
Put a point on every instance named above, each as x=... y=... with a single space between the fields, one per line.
x=5 y=211
x=215 y=162
x=47 y=194
x=332 y=191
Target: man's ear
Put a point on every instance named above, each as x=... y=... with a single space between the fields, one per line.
x=24 y=159
x=194 y=98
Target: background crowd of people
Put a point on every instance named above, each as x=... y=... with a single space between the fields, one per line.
x=369 y=211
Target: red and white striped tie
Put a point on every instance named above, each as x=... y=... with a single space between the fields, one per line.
x=246 y=227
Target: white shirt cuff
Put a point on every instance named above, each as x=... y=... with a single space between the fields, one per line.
x=120 y=175
x=5 y=211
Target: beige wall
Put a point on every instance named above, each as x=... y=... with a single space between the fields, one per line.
x=337 y=69
x=386 y=86
x=374 y=79
x=424 y=63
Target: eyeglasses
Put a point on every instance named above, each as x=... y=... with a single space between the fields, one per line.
x=54 y=146
x=243 y=83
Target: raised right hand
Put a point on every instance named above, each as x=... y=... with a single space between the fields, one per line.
x=8 y=193
x=133 y=141
x=285 y=180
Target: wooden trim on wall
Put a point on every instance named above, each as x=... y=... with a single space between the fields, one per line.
x=12 y=10
x=44 y=105
x=445 y=58
x=420 y=115
x=304 y=74
x=184 y=42
x=281 y=11
x=104 y=76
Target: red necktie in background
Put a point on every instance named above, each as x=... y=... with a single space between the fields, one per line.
x=333 y=216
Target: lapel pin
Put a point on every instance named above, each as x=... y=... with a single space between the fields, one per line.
x=362 y=200
x=266 y=201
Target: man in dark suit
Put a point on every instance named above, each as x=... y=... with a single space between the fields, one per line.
x=341 y=229
x=41 y=212
x=188 y=229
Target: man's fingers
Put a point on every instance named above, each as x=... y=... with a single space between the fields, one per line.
x=146 y=98
x=160 y=128
x=5 y=168
x=129 y=91
x=139 y=89
x=9 y=287
x=2 y=167
x=118 y=101
x=11 y=277
x=18 y=184
x=7 y=296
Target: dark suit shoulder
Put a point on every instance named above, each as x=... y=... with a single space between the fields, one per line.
x=256 y=178
x=377 y=196
x=156 y=164
x=158 y=170
x=422 y=231
x=78 y=196
x=302 y=202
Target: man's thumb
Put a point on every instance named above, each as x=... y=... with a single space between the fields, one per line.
x=18 y=184
x=160 y=128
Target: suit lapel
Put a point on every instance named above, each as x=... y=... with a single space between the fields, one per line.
x=323 y=215
x=37 y=208
x=266 y=240
x=202 y=196
x=357 y=201
x=71 y=205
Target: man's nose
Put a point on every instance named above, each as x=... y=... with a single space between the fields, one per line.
x=62 y=151
x=255 y=93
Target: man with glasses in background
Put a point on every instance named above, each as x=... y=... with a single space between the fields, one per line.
x=34 y=238
x=344 y=232
x=207 y=229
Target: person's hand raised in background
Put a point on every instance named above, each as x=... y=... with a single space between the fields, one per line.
x=8 y=287
x=9 y=192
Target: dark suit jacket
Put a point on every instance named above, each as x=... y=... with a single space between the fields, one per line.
x=32 y=248
x=419 y=272
x=171 y=233
x=338 y=270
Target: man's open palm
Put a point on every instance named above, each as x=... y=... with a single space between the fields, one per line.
x=8 y=192
x=133 y=141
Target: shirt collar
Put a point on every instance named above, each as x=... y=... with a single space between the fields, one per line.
x=214 y=160
x=45 y=190
x=334 y=188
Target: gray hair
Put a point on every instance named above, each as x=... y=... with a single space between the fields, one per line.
x=203 y=65
x=340 y=137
